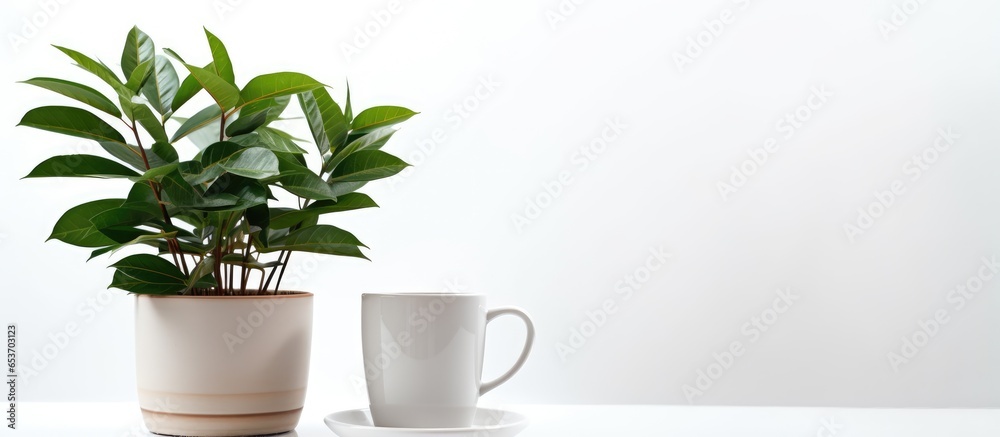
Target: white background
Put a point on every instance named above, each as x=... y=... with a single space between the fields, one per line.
x=452 y=218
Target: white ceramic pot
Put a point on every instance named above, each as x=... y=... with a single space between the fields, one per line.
x=222 y=366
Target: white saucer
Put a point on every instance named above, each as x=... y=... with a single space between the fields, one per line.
x=487 y=423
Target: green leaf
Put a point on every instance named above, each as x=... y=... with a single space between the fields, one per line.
x=78 y=92
x=307 y=185
x=213 y=157
x=201 y=119
x=379 y=116
x=188 y=89
x=193 y=171
x=268 y=141
x=287 y=217
x=165 y=151
x=234 y=193
x=346 y=202
x=126 y=153
x=174 y=54
x=162 y=86
x=202 y=270
x=227 y=193
x=96 y=68
x=207 y=281
x=283 y=134
x=273 y=85
x=138 y=49
x=139 y=77
x=71 y=121
x=219 y=152
x=197 y=220
x=150 y=123
x=348 y=112
x=155 y=173
x=284 y=218
x=222 y=66
x=178 y=192
x=80 y=166
x=367 y=165
x=192 y=248
x=120 y=216
x=323 y=239
x=370 y=141
x=140 y=239
x=253 y=163
x=257 y=114
x=326 y=120
x=238 y=260
x=191 y=167
x=128 y=107
x=353 y=136
x=122 y=234
x=74 y=227
x=274 y=107
x=246 y=123
x=342 y=188
x=274 y=140
x=157 y=160
x=259 y=219
x=130 y=155
x=208 y=134
x=225 y=94
x=302 y=182
x=141 y=197
x=148 y=274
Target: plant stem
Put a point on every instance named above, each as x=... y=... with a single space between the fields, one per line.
x=180 y=252
x=229 y=249
x=217 y=254
x=277 y=285
x=218 y=249
x=222 y=127
x=172 y=244
x=282 y=273
x=302 y=205
x=269 y=277
x=245 y=276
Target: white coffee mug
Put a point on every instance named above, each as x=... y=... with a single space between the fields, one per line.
x=423 y=356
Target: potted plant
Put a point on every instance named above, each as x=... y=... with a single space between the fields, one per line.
x=221 y=348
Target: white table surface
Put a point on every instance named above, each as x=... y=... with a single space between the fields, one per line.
x=122 y=420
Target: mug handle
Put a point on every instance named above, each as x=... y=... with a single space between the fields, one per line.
x=528 y=341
